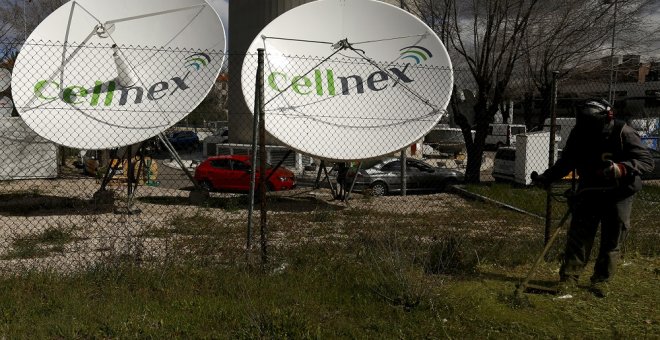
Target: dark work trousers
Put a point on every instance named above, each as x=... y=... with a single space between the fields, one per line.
x=614 y=218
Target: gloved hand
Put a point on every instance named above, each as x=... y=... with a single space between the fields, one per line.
x=540 y=180
x=614 y=170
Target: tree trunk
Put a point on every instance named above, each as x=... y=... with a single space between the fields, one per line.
x=475 y=155
x=476 y=150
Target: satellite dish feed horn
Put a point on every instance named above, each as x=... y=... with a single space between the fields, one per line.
x=105 y=30
x=125 y=75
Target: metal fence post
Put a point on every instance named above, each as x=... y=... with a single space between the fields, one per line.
x=404 y=173
x=262 y=160
x=551 y=156
x=253 y=155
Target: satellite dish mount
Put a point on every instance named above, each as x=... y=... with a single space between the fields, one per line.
x=105 y=30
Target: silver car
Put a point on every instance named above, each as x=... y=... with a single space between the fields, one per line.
x=380 y=177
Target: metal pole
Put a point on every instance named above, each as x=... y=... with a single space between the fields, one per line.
x=253 y=153
x=350 y=190
x=525 y=283
x=175 y=156
x=25 y=36
x=279 y=164
x=262 y=162
x=327 y=178
x=129 y=174
x=612 y=78
x=317 y=184
x=551 y=157
x=404 y=173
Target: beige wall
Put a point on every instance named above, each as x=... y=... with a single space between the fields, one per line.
x=246 y=19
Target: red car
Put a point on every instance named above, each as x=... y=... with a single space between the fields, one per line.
x=232 y=173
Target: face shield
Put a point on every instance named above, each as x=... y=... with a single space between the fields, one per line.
x=594 y=115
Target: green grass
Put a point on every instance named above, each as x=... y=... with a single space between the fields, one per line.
x=530 y=199
x=643 y=237
x=341 y=273
x=233 y=203
x=43 y=244
x=377 y=296
x=197 y=225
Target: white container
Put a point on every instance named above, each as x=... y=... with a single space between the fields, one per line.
x=532 y=150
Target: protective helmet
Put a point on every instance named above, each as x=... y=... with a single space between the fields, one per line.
x=595 y=112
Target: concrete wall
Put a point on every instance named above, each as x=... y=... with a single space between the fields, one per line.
x=246 y=19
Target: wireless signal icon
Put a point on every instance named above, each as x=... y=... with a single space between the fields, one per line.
x=417 y=53
x=197 y=60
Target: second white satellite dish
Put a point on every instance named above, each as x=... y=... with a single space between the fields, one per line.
x=350 y=79
x=103 y=74
x=6 y=107
x=5 y=79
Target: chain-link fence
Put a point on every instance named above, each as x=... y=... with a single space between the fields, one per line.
x=149 y=142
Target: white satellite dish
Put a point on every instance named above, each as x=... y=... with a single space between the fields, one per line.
x=350 y=79
x=103 y=74
x=6 y=107
x=5 y=79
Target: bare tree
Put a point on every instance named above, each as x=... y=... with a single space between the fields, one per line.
x=23 y=16
x=637 y=30
x=433 y=13
x=563 y=34
x=489 y=35
x=6 y=29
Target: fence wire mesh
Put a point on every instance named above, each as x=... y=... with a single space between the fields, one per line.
x=67 y=209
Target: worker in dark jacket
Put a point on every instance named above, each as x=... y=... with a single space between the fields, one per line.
x=609 y=158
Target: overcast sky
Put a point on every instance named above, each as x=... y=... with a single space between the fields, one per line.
x=651 y=15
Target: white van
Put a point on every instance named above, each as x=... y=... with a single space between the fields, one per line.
x=504 y=134
x=504 y=164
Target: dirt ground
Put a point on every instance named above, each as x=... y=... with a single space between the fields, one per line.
x=29 y=209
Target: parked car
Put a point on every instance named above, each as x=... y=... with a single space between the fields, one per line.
x=210 y=143
x=381 y=177
x=232 y=173
x=655 y=174
x=184 y=139
x=504 y=134
x=504 y=164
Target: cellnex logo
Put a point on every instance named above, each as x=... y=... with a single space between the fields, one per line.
x=419 y=54
x=197 y=61
x=104 y=92
x=323 y=82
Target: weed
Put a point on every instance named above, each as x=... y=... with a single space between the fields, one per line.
x=450 y=255
x=321 y=216
x=196 y=225
x=51 y=240
x=391 y=273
